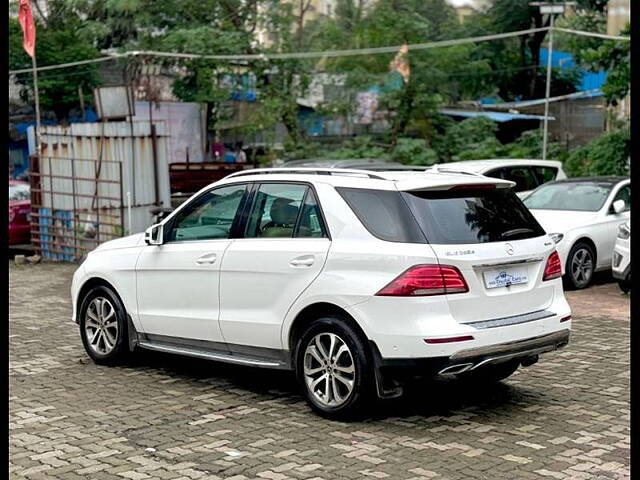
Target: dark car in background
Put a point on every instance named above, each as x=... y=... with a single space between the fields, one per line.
x=19 y=213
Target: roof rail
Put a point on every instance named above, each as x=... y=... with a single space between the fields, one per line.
x=309 y=171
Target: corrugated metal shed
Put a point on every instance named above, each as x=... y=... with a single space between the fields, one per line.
x=103 y=149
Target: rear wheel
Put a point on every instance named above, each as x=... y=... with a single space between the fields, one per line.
x=334 y=369
x=103 y=326
x=580 y=266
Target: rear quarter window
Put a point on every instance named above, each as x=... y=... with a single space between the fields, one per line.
x=384 y=214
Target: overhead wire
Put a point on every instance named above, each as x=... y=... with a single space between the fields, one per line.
x=315 y=54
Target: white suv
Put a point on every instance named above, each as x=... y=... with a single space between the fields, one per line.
x=621 y=261
x=354 y=279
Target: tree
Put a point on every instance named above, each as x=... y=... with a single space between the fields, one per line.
x=436 y=76
x=614 y=57
x=57 y=42
x=608 y=154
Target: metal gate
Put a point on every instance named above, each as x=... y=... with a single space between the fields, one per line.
x=76 y=204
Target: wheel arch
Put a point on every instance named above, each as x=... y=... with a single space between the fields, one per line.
x=584 y=239
x=317 y=310
x=90 y=283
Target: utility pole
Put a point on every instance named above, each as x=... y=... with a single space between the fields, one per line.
x=552 y=9
x=36 y=94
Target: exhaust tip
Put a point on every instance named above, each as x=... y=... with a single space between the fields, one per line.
x=454 y=369
x=528 y=361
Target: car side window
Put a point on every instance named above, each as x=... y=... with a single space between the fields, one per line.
x=523 y=177
x=209 y=216
x=310 y=224
x=545 y=174
x=623 y=194
x=275 y=210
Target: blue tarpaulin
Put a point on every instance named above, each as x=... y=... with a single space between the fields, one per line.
x=495 y=116
x=89 y=117
x=565 y=61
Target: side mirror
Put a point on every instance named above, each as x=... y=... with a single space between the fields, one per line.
x=153 y=235
x=619 y=206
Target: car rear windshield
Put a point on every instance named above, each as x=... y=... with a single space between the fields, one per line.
x=458 y=216
x=463 y=216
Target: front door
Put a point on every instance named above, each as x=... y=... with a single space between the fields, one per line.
x=283 y=249
x=178 y=281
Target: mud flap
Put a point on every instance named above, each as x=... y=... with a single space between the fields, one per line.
x=385 y=387
x=132 y=333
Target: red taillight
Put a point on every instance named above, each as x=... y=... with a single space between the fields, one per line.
x=553 y=269
x=426 y=280
x=565 y=319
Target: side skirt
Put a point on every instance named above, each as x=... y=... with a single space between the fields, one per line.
x=216 y=351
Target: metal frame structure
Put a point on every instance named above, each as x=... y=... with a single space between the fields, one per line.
x=56 y=233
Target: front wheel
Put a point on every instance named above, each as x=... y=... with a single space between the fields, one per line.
x=103 y=326
x=334 y=369
x=580 y=266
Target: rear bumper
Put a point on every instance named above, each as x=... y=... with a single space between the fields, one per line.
x=621 y=262
x=621 y=274
x=473 y=358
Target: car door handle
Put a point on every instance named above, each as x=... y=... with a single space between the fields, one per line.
x=305 y=261
x=207 y=258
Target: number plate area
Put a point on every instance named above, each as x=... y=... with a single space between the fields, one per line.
x=504 y=277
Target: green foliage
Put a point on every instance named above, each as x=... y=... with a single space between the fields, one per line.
x=614 y=57
x=585 y=20
x=475 y=138
x=413 y=151
x=472 y=134
x=58 y=89
x=608 y=154
x=595 y=54
x=362 y=146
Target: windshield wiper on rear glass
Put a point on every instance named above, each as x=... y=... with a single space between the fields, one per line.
x=516 y=231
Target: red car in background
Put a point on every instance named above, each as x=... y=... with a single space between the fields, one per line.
x=19 y=213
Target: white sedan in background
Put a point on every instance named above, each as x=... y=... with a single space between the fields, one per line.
x=621 y=265
x=527 y=174
x=582 y=215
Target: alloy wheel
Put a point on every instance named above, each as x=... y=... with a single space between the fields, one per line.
x=329 y=369
x=582 y=266
x=101 y=326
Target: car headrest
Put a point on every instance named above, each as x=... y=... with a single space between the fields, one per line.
x=282 y=212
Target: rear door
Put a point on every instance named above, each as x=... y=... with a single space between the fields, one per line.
x=282 y=250
x=491 y=237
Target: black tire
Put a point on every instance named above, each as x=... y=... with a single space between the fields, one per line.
x=491 y=373
x=625 y=285
x=581 y=263
x=120 y=349
x=362 y=395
